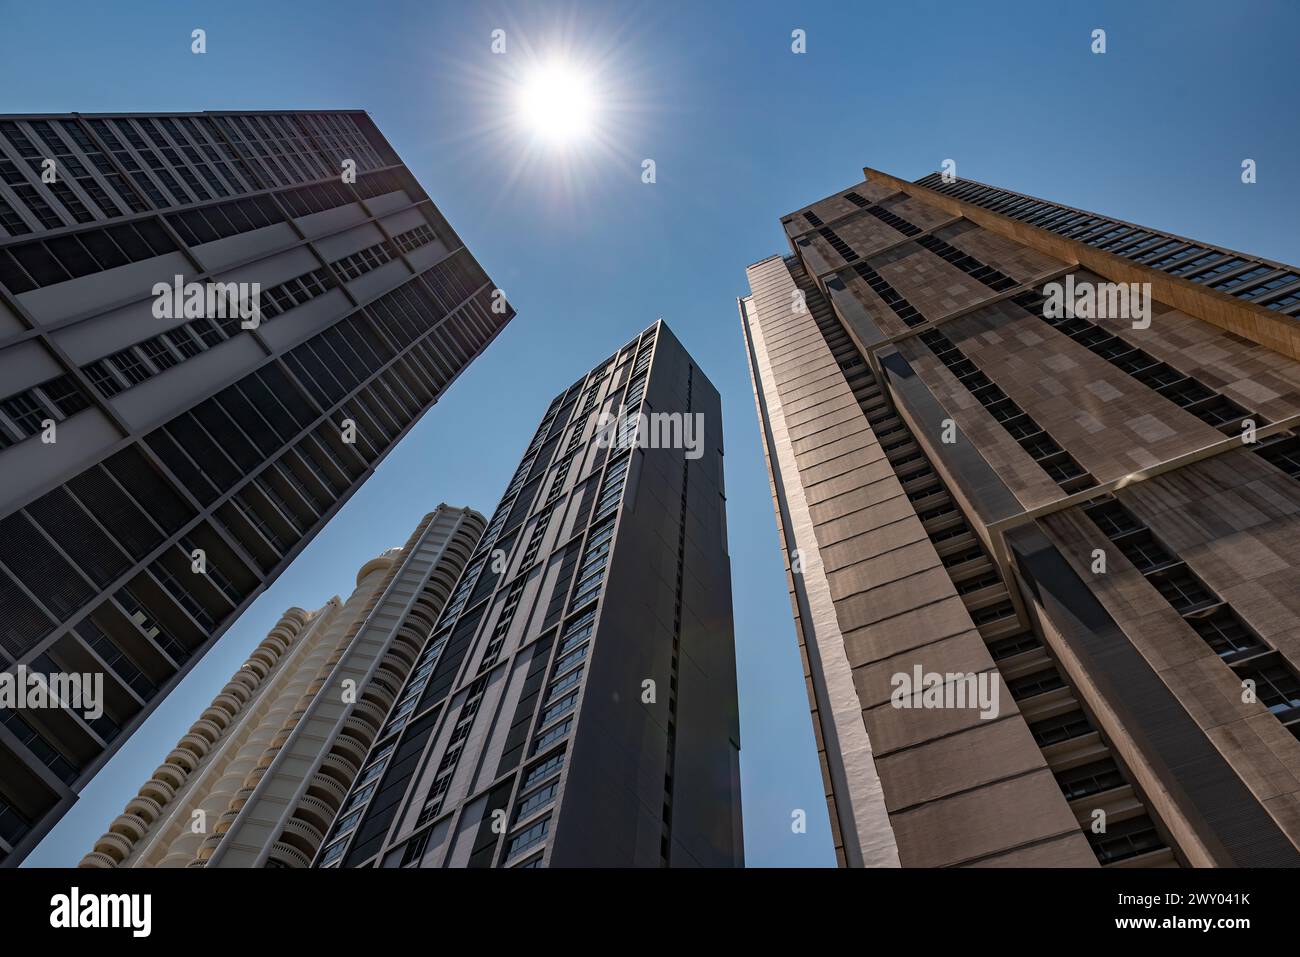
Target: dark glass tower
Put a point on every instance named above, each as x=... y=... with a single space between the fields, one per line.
x=576 y=702
x=129 y=443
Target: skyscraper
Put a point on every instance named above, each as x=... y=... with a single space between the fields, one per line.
x=260 y=775
x=1044 y=458
x=213 y=327
x=576 y=702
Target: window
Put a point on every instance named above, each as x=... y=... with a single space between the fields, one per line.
x=1276 y=685
x=537 y=800
x=1227 y=634
x=1258 y=292
x=1242 y=278
x=131 y=366
x=184 y=342
x=572 y=658
x=1060 y=728
x=359 y=797
x=540 y=772
x=891 y=297
x=1283 y=452
x=1113 y=519
x=333 y=852
x=578 y=631
x=207 y=331
x=839 y=245
x=103 y=379
x=347 y=822
x=1125 y=839
x=1182 y=589
x=1089 y=779
x=158 y=354
x=414 y=849
x=1037 y=683
x=898 y=223
x=552 y=734
x=25 y=412
x=562 y=706
x=1144 y=552
x=531 y=836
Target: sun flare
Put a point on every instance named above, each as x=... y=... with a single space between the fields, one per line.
x=557 y=103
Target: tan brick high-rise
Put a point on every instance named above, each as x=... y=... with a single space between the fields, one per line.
x=1095 y=514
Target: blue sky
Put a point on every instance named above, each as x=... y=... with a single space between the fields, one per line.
x=741 y=130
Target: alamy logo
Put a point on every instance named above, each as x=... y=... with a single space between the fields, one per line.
x=954 y=689
x=72 y=910
x=657 y=430
x=1098 y=300
x=212 y=300
x=22 y=690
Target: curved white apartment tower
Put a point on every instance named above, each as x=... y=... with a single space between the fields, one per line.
x=258 y=778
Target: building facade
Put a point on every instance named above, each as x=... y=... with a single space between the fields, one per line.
x=575 y=704
x=1045 y=458
x=213 y=327
x=259 y=777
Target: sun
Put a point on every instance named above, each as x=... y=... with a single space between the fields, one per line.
x=557 y=103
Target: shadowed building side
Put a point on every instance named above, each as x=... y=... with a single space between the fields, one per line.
x=575 y=704
x=210 y=337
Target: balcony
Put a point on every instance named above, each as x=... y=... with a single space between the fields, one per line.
x=129 y=826
x=146 y=809
x=286 y=855
x=158 y=790
x=114 y=846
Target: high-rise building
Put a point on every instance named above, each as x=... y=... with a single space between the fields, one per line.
x=575 y=703
x=213 y=327
x=258 y=778
x=1036 y=483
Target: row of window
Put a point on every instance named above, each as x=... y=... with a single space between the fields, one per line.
x=967 y=263
x=150 y=173
x=556 y=718
x=894 y=299
x=357 y=264
x=1054 y=460
x=1186 y=391
x=279 y=150
x=97 y=187
x=133 y=511
x=1277 y=684
x=40 y=263
x=33 y=265
x=839 y=245
x=611 y=489
x=1238 y=276
x=284 y=143
x=143 y=360
x=25 y=413
x=540 y=782
x=892 y=220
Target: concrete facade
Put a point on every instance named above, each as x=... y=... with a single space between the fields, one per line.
x=1096 y=513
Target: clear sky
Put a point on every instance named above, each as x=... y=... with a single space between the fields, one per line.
x=741 y=130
